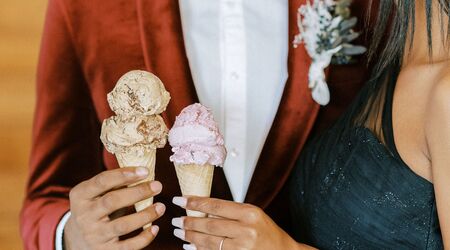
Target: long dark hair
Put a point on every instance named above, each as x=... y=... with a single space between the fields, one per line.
x=394 y=23
x=389 y=42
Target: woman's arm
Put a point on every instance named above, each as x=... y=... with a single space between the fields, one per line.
x=437 y=132
x=243 y=226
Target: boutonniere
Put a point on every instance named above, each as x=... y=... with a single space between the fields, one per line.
x=326 y=30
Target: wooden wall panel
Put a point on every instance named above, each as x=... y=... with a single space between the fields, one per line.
x=21 y=24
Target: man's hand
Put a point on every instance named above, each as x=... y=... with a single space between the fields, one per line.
x=89 y=226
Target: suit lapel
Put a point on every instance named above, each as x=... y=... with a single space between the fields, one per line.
x=164 y=53
x=294 y=120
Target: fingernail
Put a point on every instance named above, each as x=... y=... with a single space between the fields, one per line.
x=178 y=222
x=179 y=233
x=142 y=172
x=189 y=247
x=179 y=201
x=154 y=230
x=160 y=208
x=156 y=186
x=129 y=173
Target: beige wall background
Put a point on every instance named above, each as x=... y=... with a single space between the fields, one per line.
x=21 y=23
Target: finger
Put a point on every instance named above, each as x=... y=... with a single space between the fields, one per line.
x=200 y=240
x=199 y=248
x=139 y=242
x=130 y=223
x=214 y=216
x=211 y=226
x=108 y=180
x=216 y=207
x=125 y=197
x=193 y=247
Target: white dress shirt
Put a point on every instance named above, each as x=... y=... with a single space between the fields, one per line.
x=237 y=51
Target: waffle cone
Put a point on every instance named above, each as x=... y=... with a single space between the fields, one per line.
x=148 y=161
x=195 y=180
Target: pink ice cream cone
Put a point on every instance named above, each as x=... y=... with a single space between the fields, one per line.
x=197 y=147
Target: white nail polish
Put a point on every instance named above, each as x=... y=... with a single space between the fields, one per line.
x=142 y=171
x=189 y=247
x=179 y=233
x=154 y=230
x=178 y=222
x=179 y=201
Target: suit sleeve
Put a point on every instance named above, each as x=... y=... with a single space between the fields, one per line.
x=65 y=145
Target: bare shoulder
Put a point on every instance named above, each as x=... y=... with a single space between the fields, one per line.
x=437 y=119
x=439 y=97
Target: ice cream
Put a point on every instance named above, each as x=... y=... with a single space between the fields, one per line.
x=138 y=130
x=195 y=138
x=197 y=146
x=135 y=135
x=138 y=93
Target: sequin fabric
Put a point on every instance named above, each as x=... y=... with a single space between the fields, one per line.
x=353 y=193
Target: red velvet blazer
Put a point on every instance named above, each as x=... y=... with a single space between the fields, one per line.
x=87 y=45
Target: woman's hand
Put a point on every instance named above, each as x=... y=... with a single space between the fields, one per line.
x=240 y=226
x=92 y=201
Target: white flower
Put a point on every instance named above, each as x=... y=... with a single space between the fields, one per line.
x=323 y=37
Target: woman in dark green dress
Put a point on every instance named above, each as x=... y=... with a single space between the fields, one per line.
x=380 y=177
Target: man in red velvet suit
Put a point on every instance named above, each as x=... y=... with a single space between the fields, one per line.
x=245 y=69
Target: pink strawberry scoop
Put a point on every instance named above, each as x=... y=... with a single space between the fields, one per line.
x=195 y=138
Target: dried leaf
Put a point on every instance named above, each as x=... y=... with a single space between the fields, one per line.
x=350 y=50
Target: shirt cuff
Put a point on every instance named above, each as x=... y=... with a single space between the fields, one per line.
x=60 y=232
